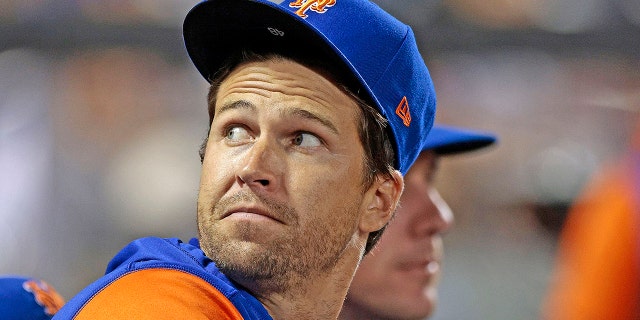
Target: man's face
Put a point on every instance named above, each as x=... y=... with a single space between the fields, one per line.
x=398 y=279
x=281 y=187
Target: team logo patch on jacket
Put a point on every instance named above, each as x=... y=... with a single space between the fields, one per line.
x=45 y=295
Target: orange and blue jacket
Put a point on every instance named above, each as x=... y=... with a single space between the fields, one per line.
x=154 y=278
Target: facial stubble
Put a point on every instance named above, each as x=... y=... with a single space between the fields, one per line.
x=285 y=260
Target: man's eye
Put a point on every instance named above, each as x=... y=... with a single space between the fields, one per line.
x=237 y=134
x=306 y=140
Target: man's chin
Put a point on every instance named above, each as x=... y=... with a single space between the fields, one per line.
x=418 y=307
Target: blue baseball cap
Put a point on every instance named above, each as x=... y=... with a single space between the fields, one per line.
x=27 y=298
x=374 y=48
x=445 y=140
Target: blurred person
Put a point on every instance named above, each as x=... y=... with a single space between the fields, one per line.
x=25 y=298
x=399 y=279
x=316 y=111
x=597 y=272
x=26 y=160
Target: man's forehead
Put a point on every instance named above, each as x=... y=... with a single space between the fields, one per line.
x=287 y=80
x=425 y=166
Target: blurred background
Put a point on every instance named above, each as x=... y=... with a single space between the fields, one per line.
x=102 y=115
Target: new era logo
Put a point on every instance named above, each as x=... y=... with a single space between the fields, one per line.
x=276 y=32
x=403 y=111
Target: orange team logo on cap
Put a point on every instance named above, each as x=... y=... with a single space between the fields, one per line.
x=403 y=111
x=45 y=295
x=318 y=6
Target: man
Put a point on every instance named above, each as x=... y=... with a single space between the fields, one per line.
x=399 y=279
x=316 y=109
x=597 y=270
x=27 y=298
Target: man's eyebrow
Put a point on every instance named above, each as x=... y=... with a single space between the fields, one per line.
x=295 y=112
x=302 y=113
x=235 y=105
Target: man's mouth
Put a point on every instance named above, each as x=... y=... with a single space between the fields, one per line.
x=250 y=212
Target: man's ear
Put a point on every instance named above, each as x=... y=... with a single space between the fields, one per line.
x=381 y=200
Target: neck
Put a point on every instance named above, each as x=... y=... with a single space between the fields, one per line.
x=352 y=311
x=320 y=294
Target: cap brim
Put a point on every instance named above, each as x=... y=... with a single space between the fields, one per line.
x=445 y=140
x=215 y=30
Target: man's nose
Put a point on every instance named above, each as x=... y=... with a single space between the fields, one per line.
x=437 y=217
x=261 y=167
